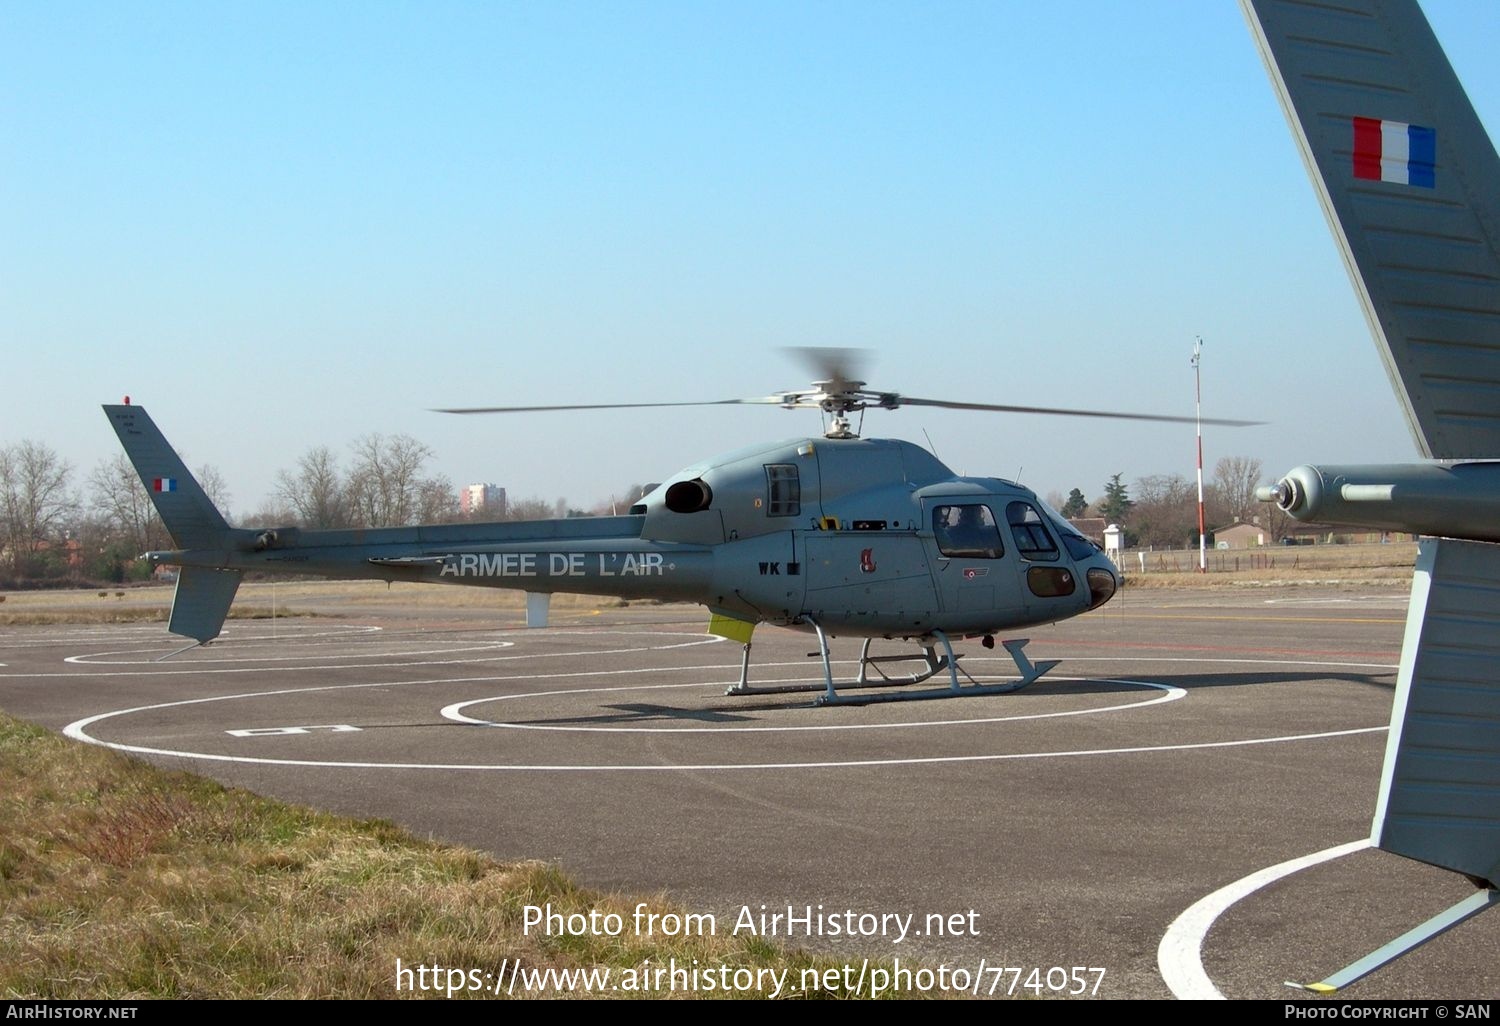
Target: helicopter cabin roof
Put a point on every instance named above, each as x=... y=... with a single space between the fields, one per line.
x=917 y=465
x=972 y=486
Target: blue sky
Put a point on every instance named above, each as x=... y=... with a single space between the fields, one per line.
x=279 y=226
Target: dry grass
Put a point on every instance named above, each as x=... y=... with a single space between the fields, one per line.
x=86 y=605
x=1328 y=565
x=258 y=600
x=122 y=881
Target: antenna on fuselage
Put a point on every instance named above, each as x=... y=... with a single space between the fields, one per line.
x=930 y=446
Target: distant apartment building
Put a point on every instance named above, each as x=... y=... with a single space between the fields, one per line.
x=487 y=499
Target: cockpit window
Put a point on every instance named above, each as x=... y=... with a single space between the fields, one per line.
x=783 y=490
x=1073 y=540
x=1077 y=545
x=1032 y=538
x=967 y=531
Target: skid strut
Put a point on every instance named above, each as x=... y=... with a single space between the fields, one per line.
x=933 y=664
x=1408 y=941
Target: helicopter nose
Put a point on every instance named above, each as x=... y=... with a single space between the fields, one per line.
x=1102 y=586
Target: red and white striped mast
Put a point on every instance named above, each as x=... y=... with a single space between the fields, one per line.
x=1198 y=398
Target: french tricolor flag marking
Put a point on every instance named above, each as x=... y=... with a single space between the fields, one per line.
x=1393 y=151
x=164 y=484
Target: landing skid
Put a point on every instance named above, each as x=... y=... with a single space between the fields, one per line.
x=933 y=664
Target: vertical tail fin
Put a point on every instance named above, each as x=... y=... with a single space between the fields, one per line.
x=1410 y=183
x=204 y=593
x=189 y=515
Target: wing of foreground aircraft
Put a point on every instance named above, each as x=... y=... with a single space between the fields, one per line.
x=1410 y=183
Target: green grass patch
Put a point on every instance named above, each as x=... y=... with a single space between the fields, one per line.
x=120 y=880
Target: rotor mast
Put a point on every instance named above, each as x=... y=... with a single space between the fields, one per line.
x=838 y=399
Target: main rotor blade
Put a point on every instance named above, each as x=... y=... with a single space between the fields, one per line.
x=765 y=400
x=906 y=400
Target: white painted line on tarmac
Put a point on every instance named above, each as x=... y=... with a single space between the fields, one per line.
x=157 y=671
x=217 y=655
x=1179 y=957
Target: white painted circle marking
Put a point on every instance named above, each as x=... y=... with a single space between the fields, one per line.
x=229 y=640
x=454 y=711
x=221 y=656
x=1179 y=957
x=78 y=729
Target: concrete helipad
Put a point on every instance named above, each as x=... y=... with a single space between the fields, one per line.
x=1113 y=816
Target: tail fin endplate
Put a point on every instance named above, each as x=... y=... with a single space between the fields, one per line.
x=1439 y=798
x=201 y=602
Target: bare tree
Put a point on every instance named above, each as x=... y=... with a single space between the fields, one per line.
x=316 y=492
x=117 y=495
x=107 y=553
x=34 y=500
x=272 y=512
x=384 y=484
x=1166 y=510
x=1235 y=481
x=529 y=509
x=1277 y=521
x=213 y=485
x=437 y=502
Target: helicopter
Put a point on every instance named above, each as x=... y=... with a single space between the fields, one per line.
x=836 y=535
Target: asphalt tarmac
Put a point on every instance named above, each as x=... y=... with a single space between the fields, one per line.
x=1109 y=817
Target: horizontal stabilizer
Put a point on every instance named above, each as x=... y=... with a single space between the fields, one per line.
x=202 y=602
x=731 y=628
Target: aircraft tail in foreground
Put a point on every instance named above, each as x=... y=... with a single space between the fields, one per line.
x=1410 y=184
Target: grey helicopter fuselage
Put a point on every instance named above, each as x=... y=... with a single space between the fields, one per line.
x=864 y=537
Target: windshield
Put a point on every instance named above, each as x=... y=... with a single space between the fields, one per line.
x=1077 y=545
